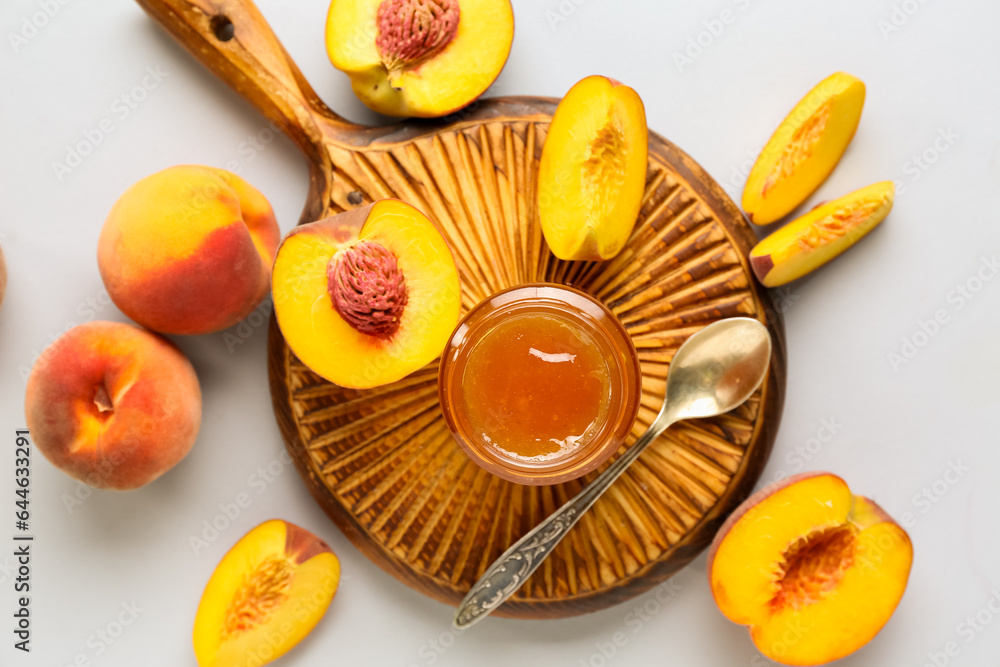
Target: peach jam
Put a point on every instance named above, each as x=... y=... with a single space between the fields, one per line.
x=540 y=384
x=535 y=386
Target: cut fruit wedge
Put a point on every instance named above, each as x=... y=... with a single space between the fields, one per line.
x=423 y=58
x=814 y=571
x=811 y=241
x=368 y=296
x=265 y=596
x=593 y=170
x=804 y=149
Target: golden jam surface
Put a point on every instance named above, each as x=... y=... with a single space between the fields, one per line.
x=535 y=386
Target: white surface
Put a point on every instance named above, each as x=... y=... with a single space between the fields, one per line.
x=897 y=431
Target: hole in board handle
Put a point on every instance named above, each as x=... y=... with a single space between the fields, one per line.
x=223 y=28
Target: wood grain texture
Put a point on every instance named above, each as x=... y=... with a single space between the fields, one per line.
x=382 y=463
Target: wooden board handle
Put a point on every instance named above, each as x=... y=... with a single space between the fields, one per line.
x=232 y=39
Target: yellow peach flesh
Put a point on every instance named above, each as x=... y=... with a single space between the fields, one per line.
x=813 y=570
x=819 y=236
x=320 y=336
x=265 y=596
x=444 y=81
x=804 y=149
x=593 y=170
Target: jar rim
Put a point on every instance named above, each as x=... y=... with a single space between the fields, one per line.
x=601 y=325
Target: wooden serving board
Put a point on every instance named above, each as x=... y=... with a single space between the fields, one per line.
x=382 y=463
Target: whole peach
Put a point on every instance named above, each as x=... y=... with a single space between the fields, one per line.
x=188 y=250
x=113 y=405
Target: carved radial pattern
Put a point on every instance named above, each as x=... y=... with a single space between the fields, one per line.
x=382 y=462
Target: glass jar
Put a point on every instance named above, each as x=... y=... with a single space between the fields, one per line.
x=540 y=383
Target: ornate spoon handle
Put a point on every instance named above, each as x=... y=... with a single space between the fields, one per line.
x=508 y=572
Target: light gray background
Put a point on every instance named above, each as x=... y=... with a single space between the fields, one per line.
x=932 y=71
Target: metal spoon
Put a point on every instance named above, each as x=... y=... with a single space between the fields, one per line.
x=714 y=371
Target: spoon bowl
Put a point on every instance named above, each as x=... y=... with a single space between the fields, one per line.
x=714 y=371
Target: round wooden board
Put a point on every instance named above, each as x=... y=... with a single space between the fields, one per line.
x=382 y=463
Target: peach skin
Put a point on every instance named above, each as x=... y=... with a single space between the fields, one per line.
x=368 y=296
x=814 y=571
x=188 y=250
x=265 y=596
x=113 y=405
x=423 y=58
x=809 y=242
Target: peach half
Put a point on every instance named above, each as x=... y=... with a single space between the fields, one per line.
x=366 y=297
x=188 y=250
x=593 y=170
x=112 y=405
x=423 y=58
x=813 y=570
x=265 y=596
x=817 y=237
x=804 y=149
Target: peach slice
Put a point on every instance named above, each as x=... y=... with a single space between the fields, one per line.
x=804 y=149
x=593 y=170
x=265 y=596
x=368 y=296
x=422 y=58
x=112 y=405
x=188 y=250
x=814 y=571
x=817 y=237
